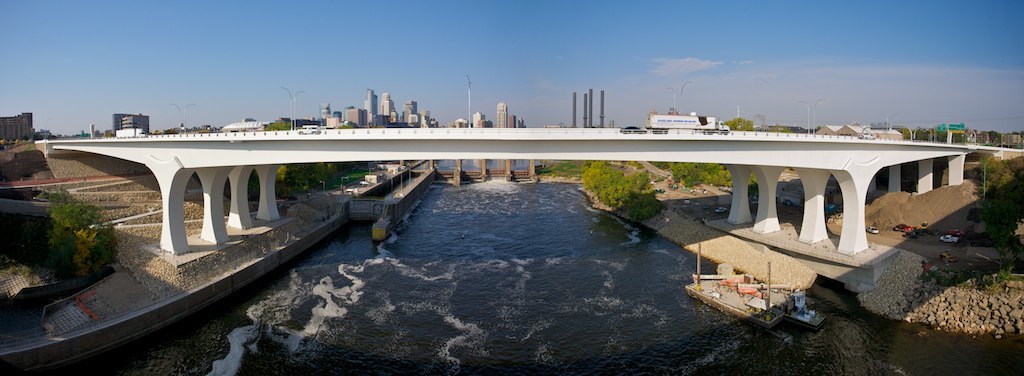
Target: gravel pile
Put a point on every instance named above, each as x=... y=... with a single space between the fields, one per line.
x=721 y=248
x=901 y=294
x=93 y=165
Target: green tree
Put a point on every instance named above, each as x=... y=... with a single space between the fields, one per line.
x=617 y=191
x=1004 y=209
x=740 y=124
x=278 y=126
x=80 y=243
x=779 y=128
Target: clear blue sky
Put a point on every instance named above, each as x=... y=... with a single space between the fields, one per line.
x=72 y=63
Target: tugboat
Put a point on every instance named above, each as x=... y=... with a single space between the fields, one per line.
x=797 y=312
x=734 y=295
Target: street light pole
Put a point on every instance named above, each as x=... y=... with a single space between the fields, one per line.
x=293 y=98
x=814 y=113
x=674 y=105
x=469 y=103
x=808 y=116
x=673 y=98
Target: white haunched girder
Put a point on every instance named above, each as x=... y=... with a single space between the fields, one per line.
x=213 y=179
x=267 y=210
x=740 y=211
x=767 y=220
x=813 y=229
x=924 y=175
x=239 y=216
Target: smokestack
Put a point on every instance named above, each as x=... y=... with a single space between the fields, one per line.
x=602 y=108
x=574 y=109
x=591 y=109
x=585 y=110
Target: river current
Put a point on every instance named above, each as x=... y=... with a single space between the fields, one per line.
x=505 y=278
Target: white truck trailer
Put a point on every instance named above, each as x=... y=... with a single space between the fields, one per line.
x=706 y=124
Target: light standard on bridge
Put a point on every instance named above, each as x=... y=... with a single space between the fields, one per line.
x=674 y=106
x=469 y=102
x=887 y=124
x=293 y=98
x=810 y=114
x=182 y=114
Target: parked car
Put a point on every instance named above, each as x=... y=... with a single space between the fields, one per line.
x=958 y=233
x=950 y=239
x=872 y=229
x=900 y=227
x=721 y=209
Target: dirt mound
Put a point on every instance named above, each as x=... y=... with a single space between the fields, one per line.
x=942 y=208
x=23 y=162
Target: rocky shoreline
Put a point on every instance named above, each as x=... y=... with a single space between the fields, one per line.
x=902 y=294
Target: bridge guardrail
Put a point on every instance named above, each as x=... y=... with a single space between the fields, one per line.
x=514 y=131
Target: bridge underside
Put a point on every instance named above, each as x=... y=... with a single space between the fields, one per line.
x=854 y=185
x=218 y=158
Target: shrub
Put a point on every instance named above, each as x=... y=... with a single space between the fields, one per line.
x=80 y=243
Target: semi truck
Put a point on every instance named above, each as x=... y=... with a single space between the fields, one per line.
x=707 y=124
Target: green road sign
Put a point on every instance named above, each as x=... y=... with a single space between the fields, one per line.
x=952 y=127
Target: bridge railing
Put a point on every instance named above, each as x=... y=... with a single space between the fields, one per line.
x=515 y=132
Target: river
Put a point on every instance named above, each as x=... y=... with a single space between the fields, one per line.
x=499 y=278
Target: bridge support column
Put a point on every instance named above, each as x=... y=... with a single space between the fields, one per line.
x=895 y=184
x=483 y=169
x=533 y=168
x=239 y=179
x=956 y=169
x=172 y=179
x=508 y=169
x=767 y=220
x=814 y=181
x=854 y=184
x=458 y=173
x=213 y=180
x=740 y=210
x=268 y=198
x=430 y=164
x=924 y=176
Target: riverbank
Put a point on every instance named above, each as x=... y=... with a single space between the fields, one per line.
x=150 y=292
x=745 y=257
x=902 y=294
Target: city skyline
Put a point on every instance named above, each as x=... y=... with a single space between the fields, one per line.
x=917 y=64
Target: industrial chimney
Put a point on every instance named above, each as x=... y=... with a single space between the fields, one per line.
x=602 y=108
x=574 y=109
x=585 y=104
x=591 y=114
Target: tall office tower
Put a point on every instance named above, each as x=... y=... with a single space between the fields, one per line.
x=408 y=110
x=325 y=111
x=602 y=108
x=387 y=106
x=478 y=120
x=370 y=104
x=356 y=116
x=502 y=115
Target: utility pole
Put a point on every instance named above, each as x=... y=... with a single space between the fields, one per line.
x=469 y=103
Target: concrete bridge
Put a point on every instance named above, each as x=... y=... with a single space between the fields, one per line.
x=230 y=158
